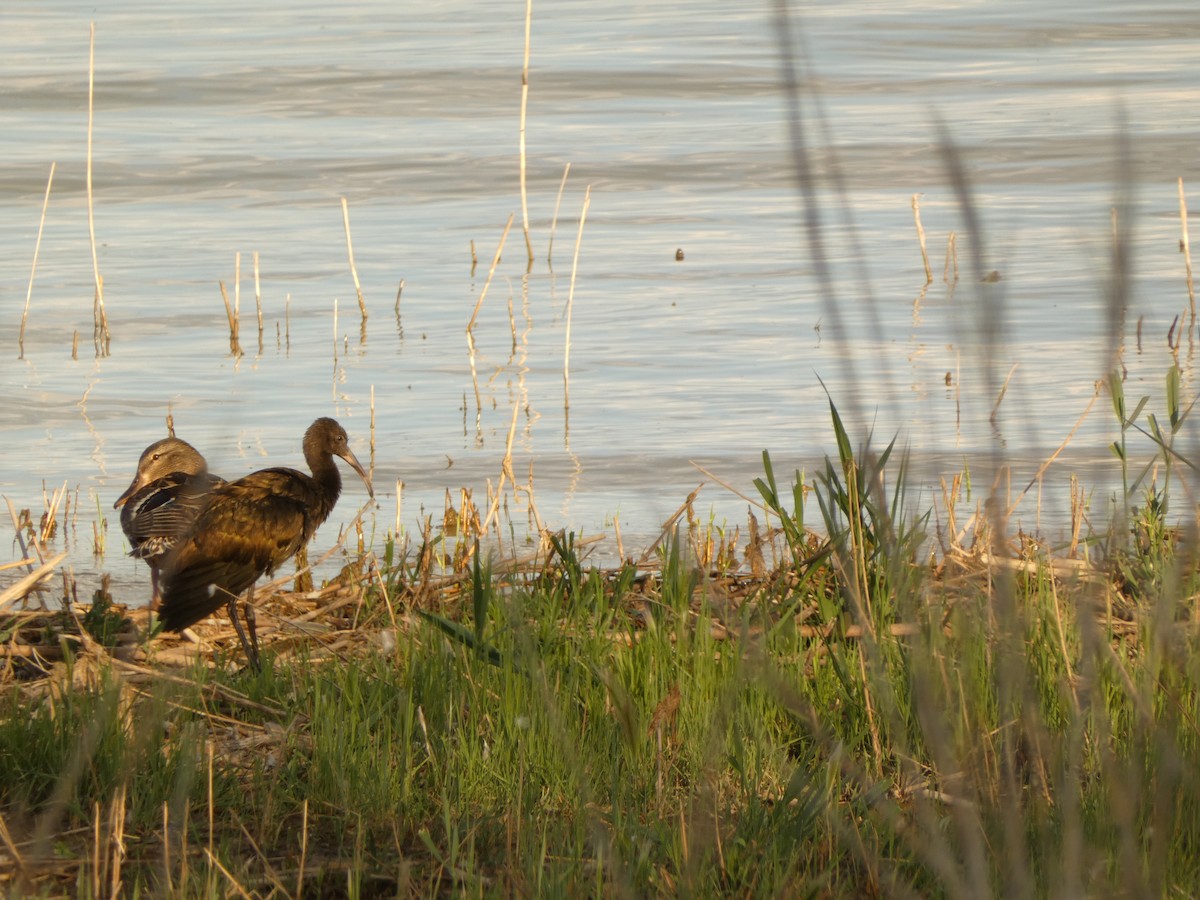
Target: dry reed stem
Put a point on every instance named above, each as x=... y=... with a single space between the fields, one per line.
x=524 y=105
x=23 y=588
x=11 y=846
x=491 y=272
x=258 y=302
x=506 y=471
x=728 y=486
x=20 y=535
x=554 y=222
x=37 y=246
x=362 y=306
x=235 y=346
x=951 y=259
x=371 y=470
x=1185 y=247
x=100 y=320
x=1003 y=391
x=669 y=524
x=212 y=859
x=587 y=199
x=916 y=208
x=237 y=288
x=1053 y=456
x=303 y=849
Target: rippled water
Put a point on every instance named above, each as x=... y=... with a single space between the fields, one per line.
x=222 y=129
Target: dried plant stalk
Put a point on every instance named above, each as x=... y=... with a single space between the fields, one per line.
x=100 y=320
x=916 y=208
x=491 y=272
x=362 y=306
x=587 y=200
x=37 y=246
x=554 y=222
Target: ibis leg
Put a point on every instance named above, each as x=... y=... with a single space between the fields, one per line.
x=248 y=647
x=252 y=622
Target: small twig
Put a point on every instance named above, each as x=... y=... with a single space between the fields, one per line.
x=362 y=306
x=37 y=246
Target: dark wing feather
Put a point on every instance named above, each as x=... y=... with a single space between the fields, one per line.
x=248 y=529
x=162 y=513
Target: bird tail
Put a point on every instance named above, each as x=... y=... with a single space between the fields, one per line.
x=192 y=592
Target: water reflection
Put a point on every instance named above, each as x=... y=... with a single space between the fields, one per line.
x=658 y=132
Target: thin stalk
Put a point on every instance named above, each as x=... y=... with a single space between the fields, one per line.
x=587 y=199
x=100 y=327
x=362 y=306
x=916 y=208
x=554 y=222
x=491 y=272
x=258 y=302
x=37 y=246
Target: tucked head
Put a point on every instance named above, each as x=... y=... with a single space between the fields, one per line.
x=160 y=459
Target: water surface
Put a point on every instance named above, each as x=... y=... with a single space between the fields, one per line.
x=222 y=129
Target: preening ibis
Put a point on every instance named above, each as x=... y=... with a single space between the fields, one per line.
x=249 y=528
x=172 y=484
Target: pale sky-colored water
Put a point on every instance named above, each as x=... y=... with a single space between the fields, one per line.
x=222 y=129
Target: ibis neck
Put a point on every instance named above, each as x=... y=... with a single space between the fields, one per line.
x=328 y=482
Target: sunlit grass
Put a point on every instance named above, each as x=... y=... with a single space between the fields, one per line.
x=880 y=714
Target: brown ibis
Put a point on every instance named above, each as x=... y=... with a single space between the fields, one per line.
x=172 y=484
x=248 y=529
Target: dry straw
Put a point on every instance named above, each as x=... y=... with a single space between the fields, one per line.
x=554 y=222
x=362 y=306
x=491 y=272
x=258 y=303
x=587 y=200
x=950 y=271
x=916 y=208
x=235 y=346
x=100 y=335
x=33 y=269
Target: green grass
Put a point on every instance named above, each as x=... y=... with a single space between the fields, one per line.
x=878 y=716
